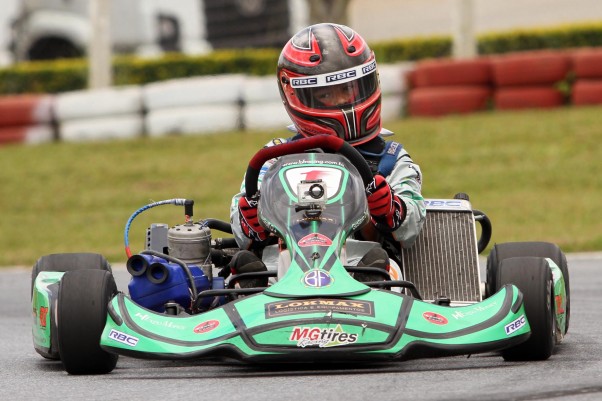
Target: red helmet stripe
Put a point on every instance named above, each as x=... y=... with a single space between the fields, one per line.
x=349 y=38
x=301 y=47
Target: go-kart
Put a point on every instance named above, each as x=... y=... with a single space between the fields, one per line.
x=181 y=305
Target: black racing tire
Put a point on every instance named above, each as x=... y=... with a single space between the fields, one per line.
x=499 y=252
x=533 y=277
x=64 y=262
x=83 y=301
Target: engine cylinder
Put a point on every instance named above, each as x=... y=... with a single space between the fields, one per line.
x=191 y=243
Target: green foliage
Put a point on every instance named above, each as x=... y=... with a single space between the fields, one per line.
x=412 y=49
x=68 y=75
x=568 y=36
x=132 y=70
x=44 y=77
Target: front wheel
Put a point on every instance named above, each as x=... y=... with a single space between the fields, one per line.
x=530 y=248
x=83 y=299
x=533 y=277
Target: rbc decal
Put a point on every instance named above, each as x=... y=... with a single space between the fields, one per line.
x=123 y=338
x=317 y=278
x=515 y=325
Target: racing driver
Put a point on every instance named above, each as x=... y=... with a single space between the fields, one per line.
x=347 y=107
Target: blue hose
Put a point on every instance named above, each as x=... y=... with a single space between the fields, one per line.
x=175 y=201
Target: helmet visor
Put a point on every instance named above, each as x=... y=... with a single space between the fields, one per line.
x=339 y=89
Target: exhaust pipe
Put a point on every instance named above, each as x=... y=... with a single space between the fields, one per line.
x=137 y=265
x=157 y=273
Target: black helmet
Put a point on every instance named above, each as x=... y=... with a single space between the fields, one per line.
x=329 y=83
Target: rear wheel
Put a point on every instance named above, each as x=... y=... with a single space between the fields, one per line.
x=64 y=262
x=82 y=313
x=533 y=277
x=507 y=250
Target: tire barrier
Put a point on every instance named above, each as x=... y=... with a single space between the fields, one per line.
x=262 y=104
x=587 y=63
x=511 y=98
x=106 y=102
x=236 y=101
x=194 y=105
x=587 y=68
x=530 y=68
x=193 y=120
x=26 y=110
x=439 y=101
x=447 y=72
x=100 y=114
x=26 y=134
x=587 y=92
x=102 y=128
x=186 y=92
x=26 y=119
x=392 y=78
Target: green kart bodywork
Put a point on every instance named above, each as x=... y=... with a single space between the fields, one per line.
x=375 y=325
x=316 y=311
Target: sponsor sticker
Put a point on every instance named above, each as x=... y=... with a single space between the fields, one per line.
x=322 y=338
x=559 y=302
x=300 y=82
x=123 y=338
x=515 y=325
x=206 y=326
x=340 y=76
x=43 y=314
x=435 y=318
x=464 y=312
x=316 y=239
x=316 y=305
x=337 y=77
x=157 y=321
x=393 y=149
x=317 y=279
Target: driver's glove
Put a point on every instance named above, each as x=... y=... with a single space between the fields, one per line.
x=387 y=210
x=249 y=221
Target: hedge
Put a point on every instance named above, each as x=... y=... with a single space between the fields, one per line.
x=68 y=75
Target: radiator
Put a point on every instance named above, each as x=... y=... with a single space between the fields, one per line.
x=444 y=262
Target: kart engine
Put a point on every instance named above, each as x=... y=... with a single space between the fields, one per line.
x=174 y=268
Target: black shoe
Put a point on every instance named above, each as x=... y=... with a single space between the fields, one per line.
x=376 y=258
x=248 y=262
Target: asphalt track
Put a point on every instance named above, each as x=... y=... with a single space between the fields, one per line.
x=573 y=373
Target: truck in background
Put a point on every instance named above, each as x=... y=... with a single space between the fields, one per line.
x=51 y=29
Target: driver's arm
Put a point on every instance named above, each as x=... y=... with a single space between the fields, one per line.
x=242 y=240
x=406 y=181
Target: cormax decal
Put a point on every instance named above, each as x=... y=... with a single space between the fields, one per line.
x=283 y=308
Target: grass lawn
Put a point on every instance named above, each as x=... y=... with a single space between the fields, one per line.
x=536 y=174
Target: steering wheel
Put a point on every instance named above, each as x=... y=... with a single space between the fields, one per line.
x=326 y=142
